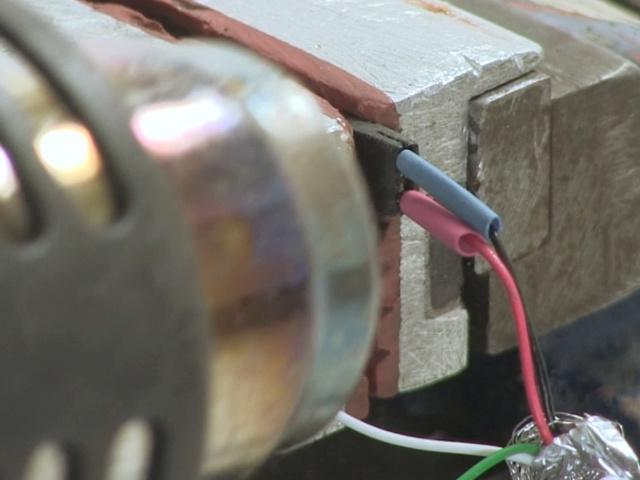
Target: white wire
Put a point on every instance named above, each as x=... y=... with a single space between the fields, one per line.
x=426 y=444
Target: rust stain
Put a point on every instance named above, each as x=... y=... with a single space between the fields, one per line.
x=534 y=8
x=431 y=7
x=442 y=10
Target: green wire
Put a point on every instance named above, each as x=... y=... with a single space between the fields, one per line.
x=486 y=464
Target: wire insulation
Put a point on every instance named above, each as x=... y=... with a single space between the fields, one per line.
x=524 y=341
x=454 y=197
x=424 y=444
x=486 y=464
x=438 y=221
x=542 y=373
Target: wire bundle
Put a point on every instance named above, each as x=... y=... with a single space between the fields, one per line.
x=524 y=339
x=483 y=225
x=469 y=227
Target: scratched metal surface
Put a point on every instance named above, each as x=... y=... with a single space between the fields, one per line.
x=431 y=58
x=510 y=160
x=603 y=23
x=428 y=56
x=433 y=346
x=590 y=258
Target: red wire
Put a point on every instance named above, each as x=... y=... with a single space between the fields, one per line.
x=524 y=341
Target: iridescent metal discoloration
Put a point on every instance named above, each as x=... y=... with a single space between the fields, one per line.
x=271 y=192
x=254 y=270
x=316 y=153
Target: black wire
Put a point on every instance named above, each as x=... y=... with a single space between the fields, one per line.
x=542 y=373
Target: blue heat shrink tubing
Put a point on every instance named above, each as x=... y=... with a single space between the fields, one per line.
x=457 y=199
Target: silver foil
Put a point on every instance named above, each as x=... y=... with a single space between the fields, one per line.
x=591 y=448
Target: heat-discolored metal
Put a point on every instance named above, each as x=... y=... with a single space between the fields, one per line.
x=277 y=209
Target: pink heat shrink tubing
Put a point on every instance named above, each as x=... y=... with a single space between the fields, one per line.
x=439 y=222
